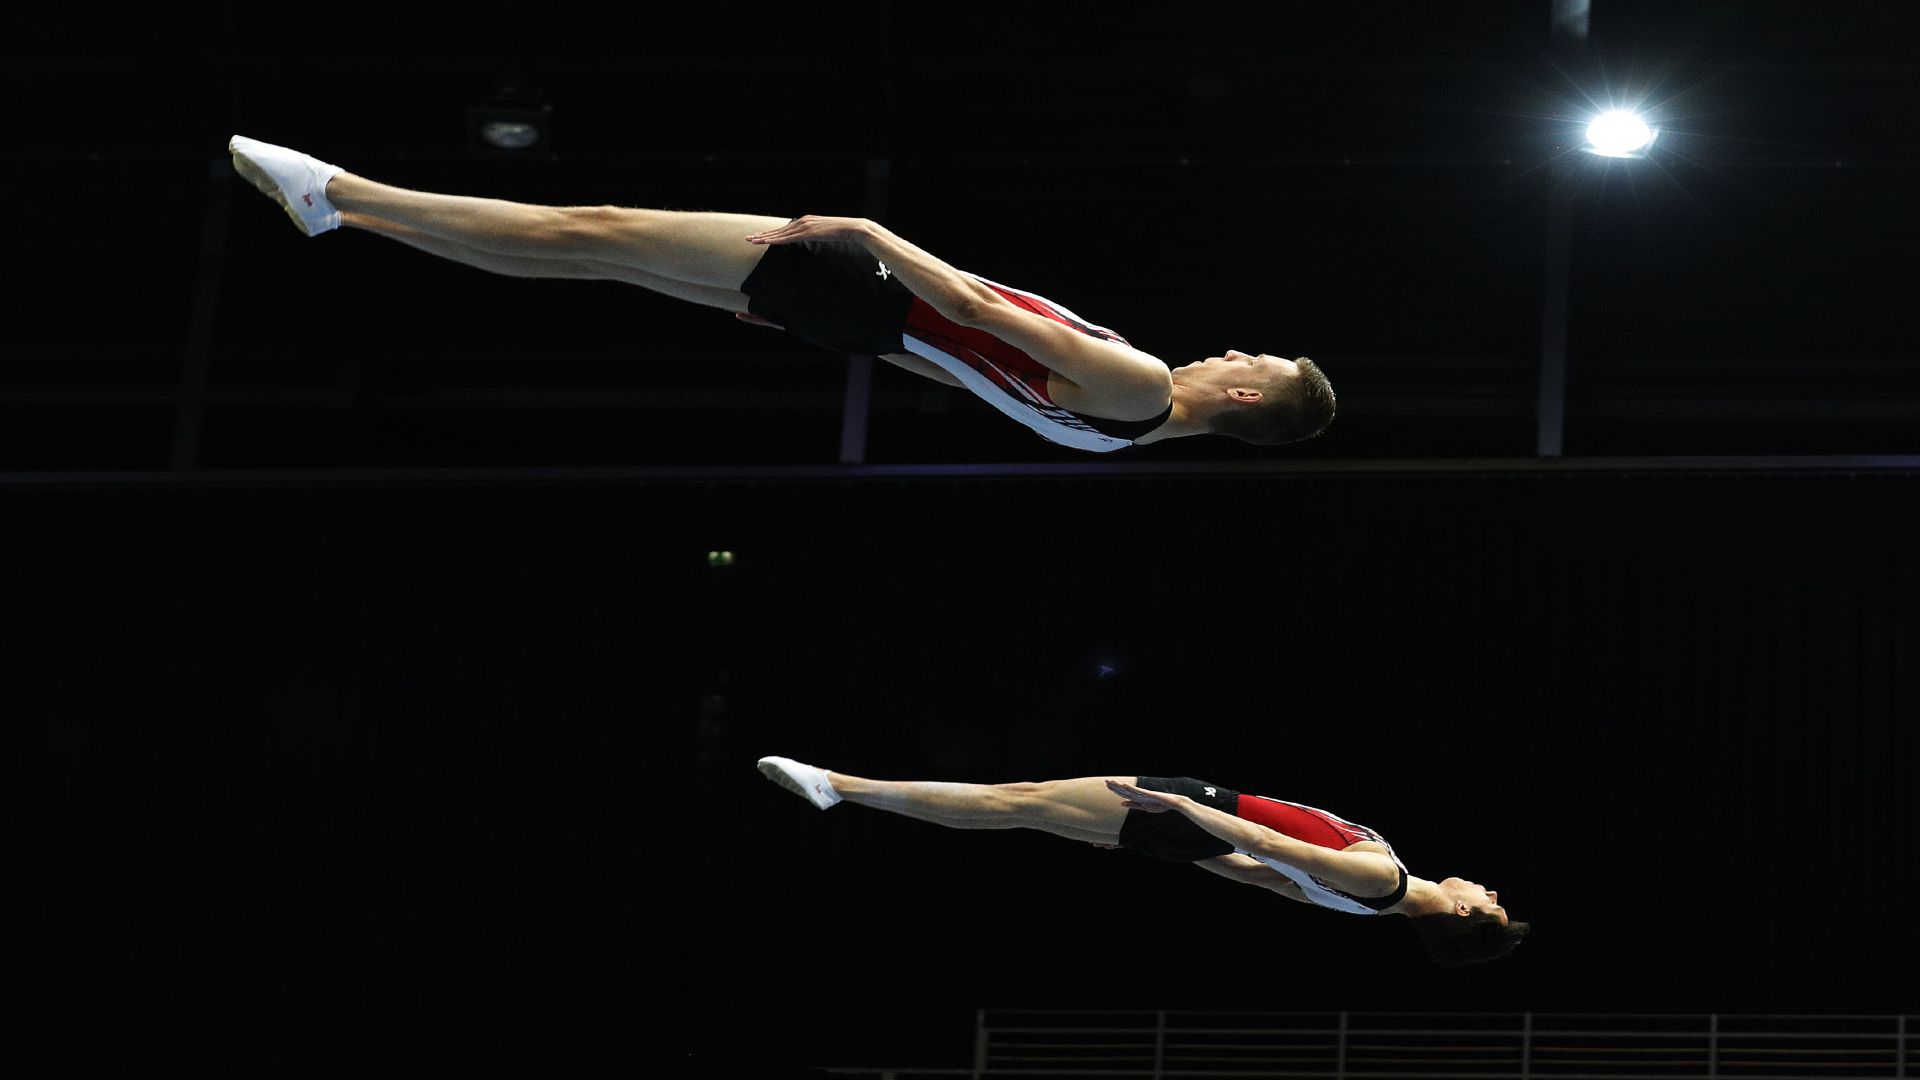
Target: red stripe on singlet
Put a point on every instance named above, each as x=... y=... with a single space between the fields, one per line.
x=1045 y=307
x=989 y=355
x=980 y=350
x=1303 y=822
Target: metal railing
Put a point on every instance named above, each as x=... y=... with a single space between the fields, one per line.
x=1457 y=1046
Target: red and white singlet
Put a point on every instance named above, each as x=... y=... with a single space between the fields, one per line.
x=1007 y=378
x=1316 y=827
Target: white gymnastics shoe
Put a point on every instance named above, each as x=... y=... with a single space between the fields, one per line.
x=292 y=179
x=803 y=780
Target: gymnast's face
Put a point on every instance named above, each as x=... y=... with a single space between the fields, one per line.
x=1474 y=896
x=1237 y=369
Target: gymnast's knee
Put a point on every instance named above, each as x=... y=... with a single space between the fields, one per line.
x=591 y=230
x=1020 y=798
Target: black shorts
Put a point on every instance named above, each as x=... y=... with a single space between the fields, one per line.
x=1172 y=835
x=833 y=293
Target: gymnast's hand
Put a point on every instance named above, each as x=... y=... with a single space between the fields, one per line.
x=813 y=227
x=1153 y=802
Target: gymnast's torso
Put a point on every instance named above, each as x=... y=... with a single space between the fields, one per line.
x=838 y=296
x=1322 y=829
x=1014 y=382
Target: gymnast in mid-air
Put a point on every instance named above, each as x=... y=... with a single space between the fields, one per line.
x=1297 y=851
x=846 y=284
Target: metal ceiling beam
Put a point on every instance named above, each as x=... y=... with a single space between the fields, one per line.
x=1702 y=465
x=1644 y=402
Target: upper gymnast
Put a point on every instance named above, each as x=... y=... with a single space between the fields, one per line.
x=843 y=283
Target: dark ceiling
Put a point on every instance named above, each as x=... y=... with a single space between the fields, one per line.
x=1364 y=184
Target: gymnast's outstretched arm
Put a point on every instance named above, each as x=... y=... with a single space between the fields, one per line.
x=1364 y=873
x=1251 y=871
x=1105 y=367
x=957 y=295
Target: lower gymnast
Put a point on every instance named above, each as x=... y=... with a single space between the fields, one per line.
x=1301 y=853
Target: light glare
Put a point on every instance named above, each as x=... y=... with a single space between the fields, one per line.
x=1618 y=134
x=510 y=134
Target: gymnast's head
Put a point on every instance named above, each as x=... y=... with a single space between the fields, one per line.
x=1264 y=400
x=1463 y=923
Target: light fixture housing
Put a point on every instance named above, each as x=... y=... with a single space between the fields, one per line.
x=510 y=124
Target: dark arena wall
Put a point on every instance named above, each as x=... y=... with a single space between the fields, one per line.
x=426 y=775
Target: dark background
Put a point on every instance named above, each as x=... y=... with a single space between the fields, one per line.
x=322 y=760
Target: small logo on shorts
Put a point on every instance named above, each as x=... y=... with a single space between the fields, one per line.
x=883 y=272
x=1211 y=793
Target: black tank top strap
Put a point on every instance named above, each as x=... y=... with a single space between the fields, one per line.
x=1126 y=429
x=1382 y=903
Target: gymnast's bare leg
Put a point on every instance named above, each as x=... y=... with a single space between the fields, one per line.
x=1080 y=809
x=698 y=256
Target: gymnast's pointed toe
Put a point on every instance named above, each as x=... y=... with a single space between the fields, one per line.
x=806 y=781
x=294 y=180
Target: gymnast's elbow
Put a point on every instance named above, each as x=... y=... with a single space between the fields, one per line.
x=966 y=309
x=978 y=308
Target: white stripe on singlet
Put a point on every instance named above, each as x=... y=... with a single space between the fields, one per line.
x=1049 y=421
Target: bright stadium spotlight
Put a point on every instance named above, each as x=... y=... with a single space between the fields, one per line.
x=1619 y=134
